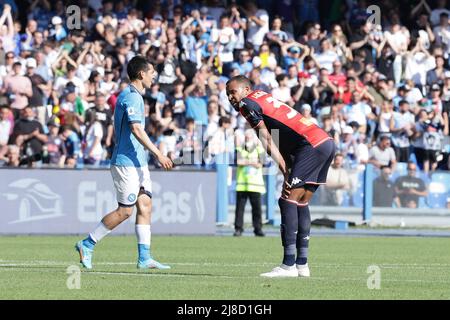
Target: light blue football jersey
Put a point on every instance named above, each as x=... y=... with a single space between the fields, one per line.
x=128 y=151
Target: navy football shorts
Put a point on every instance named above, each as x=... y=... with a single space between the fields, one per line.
x=310 y=165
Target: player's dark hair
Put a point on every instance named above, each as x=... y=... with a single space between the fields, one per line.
x=241 y=79
x=135 y=66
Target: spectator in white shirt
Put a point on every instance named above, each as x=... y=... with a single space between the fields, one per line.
x=258 y=24
x=326 y=56
x=383 y=154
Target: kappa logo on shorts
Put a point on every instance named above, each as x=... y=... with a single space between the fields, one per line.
x=296 y=180
x=132 y=197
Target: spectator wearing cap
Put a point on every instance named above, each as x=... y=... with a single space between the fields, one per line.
x=71 y=107
x=435 y=100
x=55 y=152
x=58 y=32
x=18 y=88
x=306 y=112
x=347 y=146
x=39 y=87
x=382 y=154
x=402 y=126
x=291 y=53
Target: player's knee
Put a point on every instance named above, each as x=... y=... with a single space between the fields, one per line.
x=125 y=212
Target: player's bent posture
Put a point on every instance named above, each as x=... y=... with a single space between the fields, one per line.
x=303 y=155
x=129 y=168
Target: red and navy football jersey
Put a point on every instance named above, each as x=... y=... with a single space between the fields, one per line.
x=292 y=128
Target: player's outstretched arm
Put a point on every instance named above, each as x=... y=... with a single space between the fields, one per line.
x=139 y=132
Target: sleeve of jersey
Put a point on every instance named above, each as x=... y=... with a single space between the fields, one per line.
x=252 y=112
x=132 y=109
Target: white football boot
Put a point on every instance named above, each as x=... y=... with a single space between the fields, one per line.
x=303 y=270
x=282 y=271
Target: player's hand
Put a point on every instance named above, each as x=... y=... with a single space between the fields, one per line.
x=286 y=187
x=165 y=162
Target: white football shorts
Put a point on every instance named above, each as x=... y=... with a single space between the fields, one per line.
x=128 y=181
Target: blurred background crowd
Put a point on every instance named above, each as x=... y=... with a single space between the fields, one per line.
x=382 y=91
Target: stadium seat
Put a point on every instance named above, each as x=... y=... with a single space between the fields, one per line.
x=437 y=194
x=443 y=178
x=437 y=200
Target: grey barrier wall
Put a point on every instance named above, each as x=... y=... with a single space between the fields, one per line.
x=57 y=201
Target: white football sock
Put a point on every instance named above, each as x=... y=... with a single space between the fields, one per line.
x=143 y=234
x=99 y=232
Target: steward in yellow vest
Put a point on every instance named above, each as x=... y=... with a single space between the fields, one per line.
x=249 y=183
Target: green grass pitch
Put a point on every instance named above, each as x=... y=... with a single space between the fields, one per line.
x=224 y=267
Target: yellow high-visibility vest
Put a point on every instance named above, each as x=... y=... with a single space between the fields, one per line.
x=249 y=178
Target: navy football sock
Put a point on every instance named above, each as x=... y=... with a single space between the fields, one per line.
x=288 y=229
x=304 y=228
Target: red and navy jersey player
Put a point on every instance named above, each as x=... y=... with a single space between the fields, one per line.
x=303 y=152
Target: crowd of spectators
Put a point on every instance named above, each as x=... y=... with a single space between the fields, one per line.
x=382 y=91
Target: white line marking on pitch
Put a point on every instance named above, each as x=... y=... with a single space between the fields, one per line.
x=212 y=264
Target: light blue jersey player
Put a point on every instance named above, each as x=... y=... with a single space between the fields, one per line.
x=129 y=169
